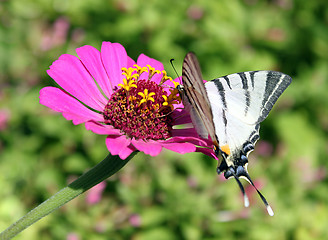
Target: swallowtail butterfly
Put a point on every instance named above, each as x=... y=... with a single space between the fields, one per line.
x=229 y=110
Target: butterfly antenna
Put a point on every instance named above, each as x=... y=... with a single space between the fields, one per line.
x=268 y=208
x=171 y=61
x=246 y=201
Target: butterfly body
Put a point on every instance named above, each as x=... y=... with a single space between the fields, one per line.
x=228 y=110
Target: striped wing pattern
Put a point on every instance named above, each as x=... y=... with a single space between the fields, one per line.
x=195 y=98
x=239 y=103
x=230 y=109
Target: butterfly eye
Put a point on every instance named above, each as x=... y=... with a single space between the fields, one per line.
x=180 y=88
x=216 y=150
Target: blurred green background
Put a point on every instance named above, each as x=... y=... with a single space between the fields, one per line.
x=170 y=196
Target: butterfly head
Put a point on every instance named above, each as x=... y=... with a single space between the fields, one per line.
x=180 y=89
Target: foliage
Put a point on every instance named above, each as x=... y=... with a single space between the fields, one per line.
x=170 y=196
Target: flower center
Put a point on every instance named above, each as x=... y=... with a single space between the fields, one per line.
x=140 y=107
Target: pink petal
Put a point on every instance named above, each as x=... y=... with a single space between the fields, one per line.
x=131 y=62
x=181 y=148
x=72 y=109
x=144 y=60
x=91 y=59
x=181 y=116
x=178 y=79
x=150 y=147
x=183 y=119
x=170 y=85
x=114 y=57
x=186 y=132
x=102 y=129
x=71 y=75
x=207 y=151
x=180 y=106
x=124 y=153
x=194 y=140
x=119 y=145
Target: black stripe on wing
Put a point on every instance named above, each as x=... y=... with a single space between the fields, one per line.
x=252 y=74
x=195 y=91
x=220 y=88
x=228 y=81
x=254 y=136
x=269 y=84
x=249 y=145
x=191 y=74
x=243 y=78
x=276 y=83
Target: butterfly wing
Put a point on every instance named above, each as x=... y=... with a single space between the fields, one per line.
x=230 y=109
x=239 y=103
x=194 y=97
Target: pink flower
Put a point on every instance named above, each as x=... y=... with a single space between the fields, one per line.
x=135 y=220
x=134 y=103
x=94 y=194
x=55 y=35
x=264 y=148
x=4 y=118
x=72 y=236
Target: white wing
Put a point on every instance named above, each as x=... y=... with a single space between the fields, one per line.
x=240 y=102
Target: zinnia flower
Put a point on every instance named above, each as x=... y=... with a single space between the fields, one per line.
x=134 y=103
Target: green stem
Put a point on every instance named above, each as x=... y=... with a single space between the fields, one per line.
x=106 y=168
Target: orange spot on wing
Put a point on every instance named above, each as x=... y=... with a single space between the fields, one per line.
x=226 y=149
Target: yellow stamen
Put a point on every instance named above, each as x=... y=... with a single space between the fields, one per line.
x=156 y=106
x=171 y=99
x=132 y=98
x=128 y=73
x=131 y=76
x=146 y=96
x=175 y=83
x=140 y=69
x=165 y=77
x=152 y=72
x=127 y=85
x=165 y=103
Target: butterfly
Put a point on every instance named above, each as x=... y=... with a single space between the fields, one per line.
x=228 y=110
